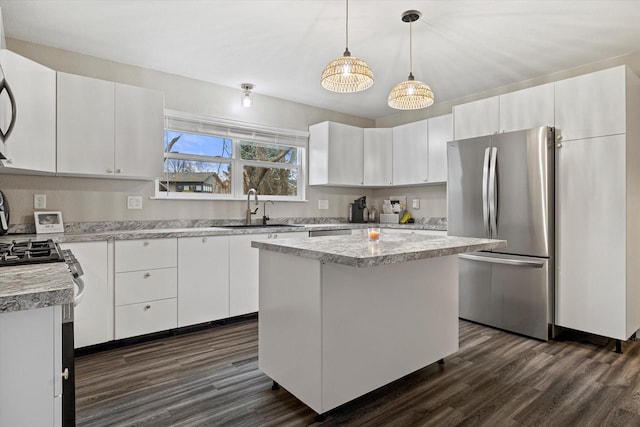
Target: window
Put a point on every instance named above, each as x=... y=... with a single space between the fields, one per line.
x=215 y=159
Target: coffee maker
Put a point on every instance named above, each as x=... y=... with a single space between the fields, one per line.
x=358 y=210
x=4 y=214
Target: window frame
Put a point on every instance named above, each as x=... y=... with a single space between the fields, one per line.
x=239 y=133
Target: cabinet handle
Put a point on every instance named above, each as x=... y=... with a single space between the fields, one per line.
x=204 y=240
x=559 y=137
x=118 y=170
x=147 y=307
x=109 y=170
x=65 y=374
x=558 y=145
x=146 y=275
x=275 y=236
x=146 y=243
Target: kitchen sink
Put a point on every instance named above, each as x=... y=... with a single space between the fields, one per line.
x=260 y=225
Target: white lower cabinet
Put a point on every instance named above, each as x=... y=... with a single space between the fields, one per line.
x=146 y=282
x=31 y=367
x=93 y=316
x=243 y=270
x=203 y=279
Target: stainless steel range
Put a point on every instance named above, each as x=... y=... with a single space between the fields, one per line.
x=40 y=251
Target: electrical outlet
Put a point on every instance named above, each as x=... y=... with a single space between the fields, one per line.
x=134 y=202
x=416 y=204
x=323 y=204
x=40 y=201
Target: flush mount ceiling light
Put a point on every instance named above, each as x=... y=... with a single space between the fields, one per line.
x=247 y=96
x=410 y=94
x=347 y=74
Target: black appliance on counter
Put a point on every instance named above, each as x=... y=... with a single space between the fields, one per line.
x=4 y=214
x=41 y=251
x=358 y=210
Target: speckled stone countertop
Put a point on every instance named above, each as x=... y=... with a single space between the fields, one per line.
x=128 y=230
x=25 y=287
x=357 y=251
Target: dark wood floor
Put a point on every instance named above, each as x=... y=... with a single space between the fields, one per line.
x=211 y=378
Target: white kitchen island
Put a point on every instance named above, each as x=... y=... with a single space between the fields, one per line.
x=341 y=316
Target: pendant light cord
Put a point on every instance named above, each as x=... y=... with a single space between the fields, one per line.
x=347 y=28
x=410 y=48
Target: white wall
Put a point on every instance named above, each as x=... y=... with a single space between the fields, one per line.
x=84 y=199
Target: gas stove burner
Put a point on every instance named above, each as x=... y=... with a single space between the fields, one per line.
x=29 y=252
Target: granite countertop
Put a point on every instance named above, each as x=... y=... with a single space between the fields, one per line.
x=357 y=251
x=97 y=232
x=25 y=287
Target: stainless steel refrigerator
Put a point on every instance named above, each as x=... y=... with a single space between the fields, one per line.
x=501 y=186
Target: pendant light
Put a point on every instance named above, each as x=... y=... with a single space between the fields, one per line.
x=347 y=74
x=246 y=99
x=411 y=94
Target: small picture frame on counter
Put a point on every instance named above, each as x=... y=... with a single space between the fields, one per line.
x=48 y=222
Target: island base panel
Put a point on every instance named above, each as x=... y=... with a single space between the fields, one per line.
x=329 y=333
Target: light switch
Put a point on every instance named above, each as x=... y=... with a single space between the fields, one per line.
x=416 y=204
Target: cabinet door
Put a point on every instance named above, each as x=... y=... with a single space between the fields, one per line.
x=477 y=118
x=29 y=368
x=378 y=152
x=591 y=105
x=591 y=245
x=440 y=132
x=85 y=125
x=203 y=279
x=527 y=108
x=243 y=274
x=335 y=154
x=93 y=316
x=139 y=129
x=410 y=153
x=32 y=143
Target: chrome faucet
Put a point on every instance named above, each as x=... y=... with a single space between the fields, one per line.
x=265 y=217
x=250 y=212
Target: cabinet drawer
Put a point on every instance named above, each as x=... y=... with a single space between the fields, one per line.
x=146 y=285
x=146 y=317
x=132 y=255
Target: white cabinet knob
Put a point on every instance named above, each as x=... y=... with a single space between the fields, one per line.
x=109 y=170
x=204 y=240
x=147 y=307
x=118 y=170
x=558 y=145
x=559 y=137
x=146 y=243
x=146 y=275
x=275 y=236
x=65 y=374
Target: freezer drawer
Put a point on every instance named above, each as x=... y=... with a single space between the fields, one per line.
x=508 y=292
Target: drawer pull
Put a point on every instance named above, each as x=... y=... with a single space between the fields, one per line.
x=147 y=307
x=146 y=275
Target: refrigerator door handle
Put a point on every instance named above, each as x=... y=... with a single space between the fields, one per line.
x=507 y=261
x=485 y=191
x=493 y=193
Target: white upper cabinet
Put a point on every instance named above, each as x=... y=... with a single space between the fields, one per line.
x=477 y=118
x=440 y=132
x=519 y=110
x=139 y=130
x=86 y=124
x=335 y=154
x=410 y=153
x=527 y=108
x=378 y=153
x=591 y=105
x=31 y=145
x=108 y=129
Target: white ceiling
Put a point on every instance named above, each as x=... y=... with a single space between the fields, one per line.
x=281 y=46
